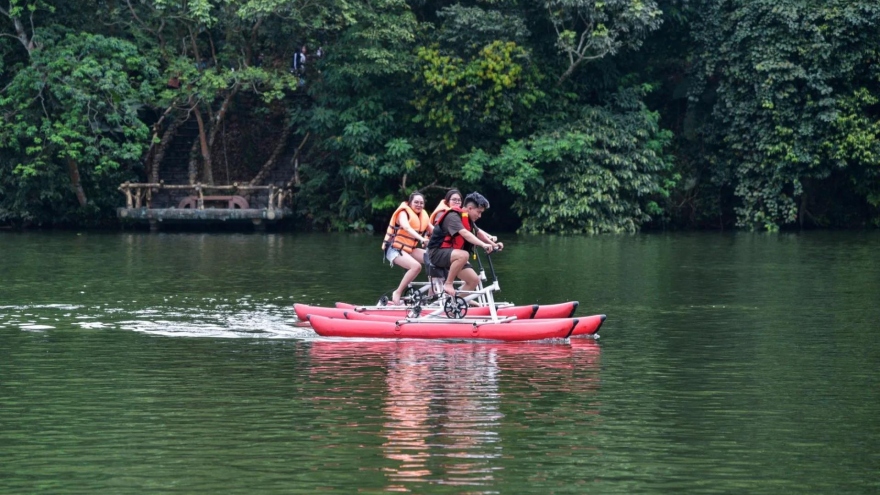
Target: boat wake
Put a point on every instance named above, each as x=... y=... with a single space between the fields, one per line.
x=211 y=318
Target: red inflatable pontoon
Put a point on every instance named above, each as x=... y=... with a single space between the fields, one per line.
x=513 y=330
x=586 y=326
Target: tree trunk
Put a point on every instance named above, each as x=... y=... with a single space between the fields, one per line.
x=803 y=212
x=208 y=173
x=213 y=51
x=193 y=162
x=249 y=48
x=264 y=171
x=159 y=155
x=73 y=171
x=207 y=138
x=294 y=181
x=27 y=40
x=195 y=48
x=221 y=114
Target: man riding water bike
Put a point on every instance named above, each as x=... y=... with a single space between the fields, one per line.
x=455 y=234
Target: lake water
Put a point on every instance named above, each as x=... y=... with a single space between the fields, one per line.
x=133 y=363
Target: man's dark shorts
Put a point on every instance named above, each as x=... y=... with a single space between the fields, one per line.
x=441 y=258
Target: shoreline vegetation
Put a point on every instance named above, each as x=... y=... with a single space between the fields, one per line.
x=571 y=116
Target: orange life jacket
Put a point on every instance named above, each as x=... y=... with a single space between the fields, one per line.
x=397 y=237
x=443 y=206
x=446 y=240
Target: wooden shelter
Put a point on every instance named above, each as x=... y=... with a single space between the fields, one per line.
x=225 y=204
x=256 y=162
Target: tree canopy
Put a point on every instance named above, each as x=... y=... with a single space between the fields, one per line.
x=580 y=116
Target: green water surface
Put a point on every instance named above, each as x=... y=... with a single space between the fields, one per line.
x=171 y=363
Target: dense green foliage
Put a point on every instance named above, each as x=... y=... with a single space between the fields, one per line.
x=592 y=175
x=797 y=88
x=575 y=116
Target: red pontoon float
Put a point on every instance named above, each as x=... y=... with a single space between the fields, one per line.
x=585 y=326
x=510 y=330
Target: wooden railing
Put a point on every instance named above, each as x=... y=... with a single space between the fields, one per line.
x=138 y=195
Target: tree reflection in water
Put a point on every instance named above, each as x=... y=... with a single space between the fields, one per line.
x=442 y=406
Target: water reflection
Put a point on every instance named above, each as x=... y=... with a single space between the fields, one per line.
x=442 y=414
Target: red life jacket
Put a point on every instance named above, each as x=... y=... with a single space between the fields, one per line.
x=446 y=240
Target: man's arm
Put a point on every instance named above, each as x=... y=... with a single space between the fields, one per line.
x=491 y=239
x=471 y=238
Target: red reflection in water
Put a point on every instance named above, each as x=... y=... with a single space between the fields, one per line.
x=442 y=406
